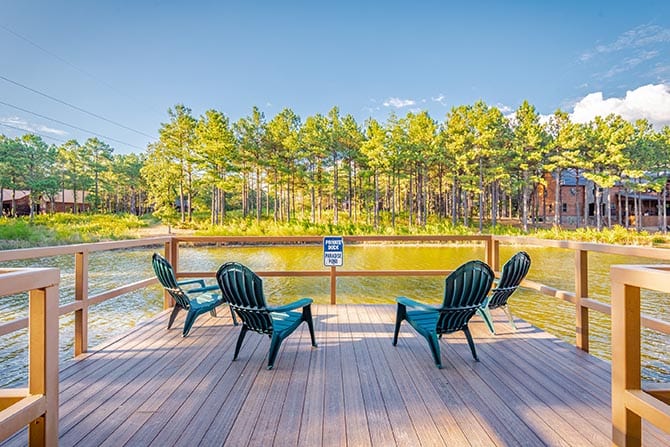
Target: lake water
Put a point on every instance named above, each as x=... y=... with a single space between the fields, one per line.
x=551 y=266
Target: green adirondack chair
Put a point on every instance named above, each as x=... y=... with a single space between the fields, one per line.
x=465 y=290
x=513 y=272
x=195 y=300
x=242 y=289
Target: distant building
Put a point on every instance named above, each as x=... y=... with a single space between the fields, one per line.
x=21 y=199
x=64 y=201
x=577 y=202
x=573 y=192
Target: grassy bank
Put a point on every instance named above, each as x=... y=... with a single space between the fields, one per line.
x=65 y=228
x=59 y=229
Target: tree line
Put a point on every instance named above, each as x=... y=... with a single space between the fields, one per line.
x=111 y=183
x=476 y=166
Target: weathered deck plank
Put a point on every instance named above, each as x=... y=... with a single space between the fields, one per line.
x=153 y=387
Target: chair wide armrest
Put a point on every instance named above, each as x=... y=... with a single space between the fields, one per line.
x=203 y=289
x=292 y=306
x=191 y=281
x=414 y=304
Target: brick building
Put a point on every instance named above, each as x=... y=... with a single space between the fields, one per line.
x=577 y=202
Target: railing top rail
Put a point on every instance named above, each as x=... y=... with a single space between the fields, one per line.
x=319 y=239
x=39 y=252
x=650 y=277
x=626 y=250
x=20 y=280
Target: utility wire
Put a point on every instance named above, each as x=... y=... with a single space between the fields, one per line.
x=71 y=65
x=60 y=101
x=32 y=131
x=70 y=125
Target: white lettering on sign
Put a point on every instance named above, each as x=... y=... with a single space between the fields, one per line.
x=333 y=251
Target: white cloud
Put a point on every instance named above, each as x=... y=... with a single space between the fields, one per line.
x=441 y=99
x=649 y=101
x=504 y=109
x=20 y=123
x=629 y=63
x=635 y=38
x=399 y=103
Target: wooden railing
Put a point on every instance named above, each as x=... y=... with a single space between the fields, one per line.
x=171 y=246
x=37 y=405
x=631 y=402
x=82 y=300
x=580 y=297
x=490 y=257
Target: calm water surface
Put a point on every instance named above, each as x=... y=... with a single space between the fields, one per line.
x=551 y=266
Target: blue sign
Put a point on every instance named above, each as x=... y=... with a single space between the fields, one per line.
x=333 y=251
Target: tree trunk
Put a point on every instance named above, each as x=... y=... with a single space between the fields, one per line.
x=494 y=204
x=259 y=202
x=577 y=198
x=524 y=204
x=598 y=195
x=481 y=197
x=609 y=209
x=376 y=205
x=335 y=188
x=454 y=202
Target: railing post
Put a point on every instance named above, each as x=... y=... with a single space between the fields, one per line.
x=81 y=294
x=581 y=291
x=626 y=425
x=43 y=362
x=171 y=255
x=493 y=253
x=333 y=284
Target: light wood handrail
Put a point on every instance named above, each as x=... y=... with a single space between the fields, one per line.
x=35 y=407
x=630 y=402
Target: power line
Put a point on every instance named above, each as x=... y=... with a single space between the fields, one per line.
x=71 y=65
x=70 y=125
x=60 y=101
x=32 y=131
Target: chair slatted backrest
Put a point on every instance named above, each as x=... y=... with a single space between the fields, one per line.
x=165 y=274
x=243 y=290
x=465 y=289
x=513 y=272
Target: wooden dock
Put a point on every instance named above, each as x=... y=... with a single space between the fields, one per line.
x=153 y=387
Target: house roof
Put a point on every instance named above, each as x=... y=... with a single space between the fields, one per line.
x=7 y=194
x=569 y=178
x=640 y=196
x=68 y=194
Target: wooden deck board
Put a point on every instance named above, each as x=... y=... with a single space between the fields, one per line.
x=153 y=387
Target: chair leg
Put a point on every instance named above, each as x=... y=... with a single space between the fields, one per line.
x=307 y=316
x=485 y=313
x=471 y=343
x=173 y=315
x=274 y=350
x=190 y=319
x=509 y=316
x=232 y=314
x=240 y=339
x=434 y=344
x=400 y=315
x=213 y=312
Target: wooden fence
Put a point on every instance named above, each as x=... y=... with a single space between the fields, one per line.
x=171 y=247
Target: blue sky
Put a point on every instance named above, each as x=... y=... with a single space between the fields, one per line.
x=129 y=61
